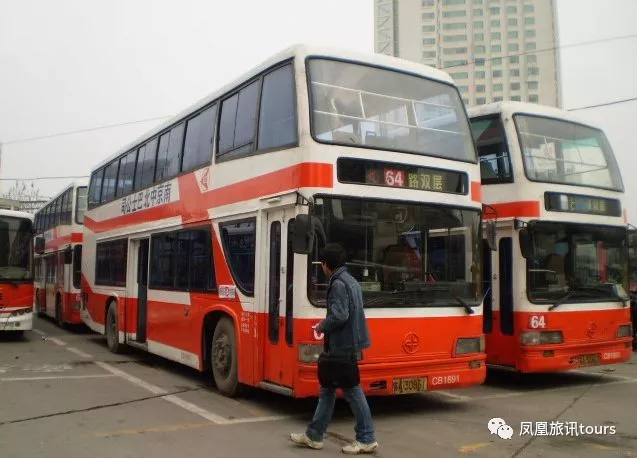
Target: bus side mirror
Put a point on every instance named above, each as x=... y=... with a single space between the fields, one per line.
x=303 y=236
x=39 y=245
x=526 y=243
x=491 y=239
x=68 y=256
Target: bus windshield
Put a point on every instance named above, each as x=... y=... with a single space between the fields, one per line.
x=81 y=203
x=359 y=105
x=403 y=254
x=15 y=248
x=577 y=263
x=557 y=151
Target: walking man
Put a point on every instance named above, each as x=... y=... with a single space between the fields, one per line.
x=346 y=333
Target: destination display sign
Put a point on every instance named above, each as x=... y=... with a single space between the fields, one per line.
x=576 y=203
x=406 y=176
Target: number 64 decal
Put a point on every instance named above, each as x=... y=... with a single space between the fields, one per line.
x=537 y=322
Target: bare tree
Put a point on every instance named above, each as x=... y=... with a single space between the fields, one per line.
x=28 y=196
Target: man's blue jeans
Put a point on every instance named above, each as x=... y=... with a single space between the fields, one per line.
x=325 y=408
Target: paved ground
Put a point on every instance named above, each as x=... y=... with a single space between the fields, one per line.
x=63 y=395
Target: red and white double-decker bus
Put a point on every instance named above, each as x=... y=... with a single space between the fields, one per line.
x=202 y=237
x=16 y=272
x=58 y=255
x=558 y=281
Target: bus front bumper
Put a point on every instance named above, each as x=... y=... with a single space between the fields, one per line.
x=16 y=320
x=404 y=377
x=556 y=358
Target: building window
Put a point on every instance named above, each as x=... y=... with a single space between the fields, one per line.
x=429 y=54
x=459 y=75
x=497 y=73
x=529 y=46
x=480 y=75
x=454 y=63
x=448 y=51
x=516 y=98
x=428 y=28
x=496 y=61
x=532 y=84
x=454 y=26
x=458 y=13
x=512 y=10
x=533 y=98
x=496 y=48
x=514 y=72
x=477 y=12
x=529 y=33
x=531 y=59
x=529 y=20
x=481 y=88
x=515 y=86
x=428 y=15
x=512 y=21
x=477 y=2
x=479 y=62
x=455 y=38
x=428 y=41
x=512 y=34
x=513 y=47
x=494 y=11
x=495 y=23
x=498 y=87
x=496 y=36
x=478 y=37
x=480 y=49
x=478 y=25
x=528 y=8
x=481 y=101
x=453 y=2
x=534 y=71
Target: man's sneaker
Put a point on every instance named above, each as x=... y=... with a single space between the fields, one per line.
x=358 y=448
x=303 y=440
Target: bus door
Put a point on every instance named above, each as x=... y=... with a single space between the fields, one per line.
x=503 y=341
x=52 y=273
x=278 y=354
x=137 y=316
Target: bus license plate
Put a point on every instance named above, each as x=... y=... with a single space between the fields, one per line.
x=410 y=385
x=589 y=360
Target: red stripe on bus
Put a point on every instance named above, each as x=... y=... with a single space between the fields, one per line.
x=193 y=205
x=75 y=237
x=522 y=208
x=476 y=191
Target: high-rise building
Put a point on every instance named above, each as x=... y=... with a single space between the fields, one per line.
x=494 y=49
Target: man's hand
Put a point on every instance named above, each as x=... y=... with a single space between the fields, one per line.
x=318 y=335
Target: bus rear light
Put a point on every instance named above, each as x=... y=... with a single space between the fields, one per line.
x=624 y=330
x=470 y=345
x=475 y=364
x=548 y=353
x=309 y=353
x=541 y=338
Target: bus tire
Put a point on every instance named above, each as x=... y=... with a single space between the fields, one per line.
x=223 y=358
x=112 y=329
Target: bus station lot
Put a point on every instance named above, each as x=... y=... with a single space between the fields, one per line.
x=63 y=394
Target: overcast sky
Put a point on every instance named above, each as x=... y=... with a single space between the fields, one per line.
x=67 y=65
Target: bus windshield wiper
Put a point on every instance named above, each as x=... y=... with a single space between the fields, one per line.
x=568 y=295
x=466 y=306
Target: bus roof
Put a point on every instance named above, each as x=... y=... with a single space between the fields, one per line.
x=16 y=214
x=509 y=108
x=298 y=51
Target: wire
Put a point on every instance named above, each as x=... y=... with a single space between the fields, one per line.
x=44 y=178
x=90 y=129
x=603 y=104
x=536 y=51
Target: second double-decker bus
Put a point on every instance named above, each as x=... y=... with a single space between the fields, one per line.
x=16 y=271
x=202 y=237
x=58 y=254
x=558 y=281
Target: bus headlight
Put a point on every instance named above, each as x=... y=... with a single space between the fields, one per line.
x=309 y=353
x=541 y=338
x=624 y=330
x=470 y=345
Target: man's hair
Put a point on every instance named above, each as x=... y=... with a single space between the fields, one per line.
x=333 y=254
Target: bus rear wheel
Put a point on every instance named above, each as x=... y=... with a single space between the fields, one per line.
x=112 y=329
x=223 y=358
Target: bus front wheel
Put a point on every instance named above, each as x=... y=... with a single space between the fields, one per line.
x=224 y=358
x=112 y=329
